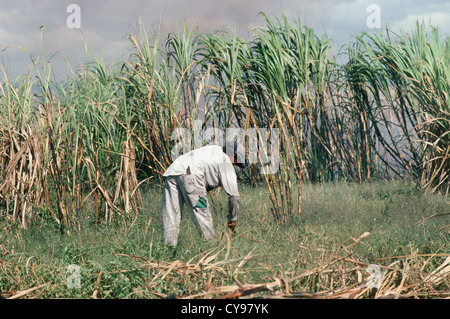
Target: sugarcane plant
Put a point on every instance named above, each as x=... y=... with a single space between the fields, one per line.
x=80 y=150
x=402 y=81
x=290 y=65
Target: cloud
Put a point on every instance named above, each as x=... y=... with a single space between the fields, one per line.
x=436 y=19
x=105 y=24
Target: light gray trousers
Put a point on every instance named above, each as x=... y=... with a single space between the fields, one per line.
x=179 y=190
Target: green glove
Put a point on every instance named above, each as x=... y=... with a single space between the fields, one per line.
x=201 y=203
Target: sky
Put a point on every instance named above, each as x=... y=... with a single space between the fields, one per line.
x=105 y=24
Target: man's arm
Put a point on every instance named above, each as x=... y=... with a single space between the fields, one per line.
x=233 y=208
x=228 y=180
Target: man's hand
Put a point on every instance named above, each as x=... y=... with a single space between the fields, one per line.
x=232 y=225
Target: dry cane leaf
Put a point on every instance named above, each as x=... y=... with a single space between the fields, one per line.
x=27 y=291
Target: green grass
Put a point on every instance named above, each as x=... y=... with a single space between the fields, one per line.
x=394 y=213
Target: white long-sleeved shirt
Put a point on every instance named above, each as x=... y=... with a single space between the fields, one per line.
x=210 y=168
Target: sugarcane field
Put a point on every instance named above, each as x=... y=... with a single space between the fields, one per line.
x=208 y=164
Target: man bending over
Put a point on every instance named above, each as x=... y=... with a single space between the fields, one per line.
x=188 y=180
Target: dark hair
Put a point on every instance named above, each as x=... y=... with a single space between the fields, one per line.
x=235 y=146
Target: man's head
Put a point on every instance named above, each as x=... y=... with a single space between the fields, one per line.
x=236 y=153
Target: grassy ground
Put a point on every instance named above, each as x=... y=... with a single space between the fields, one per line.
x=324 y=251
